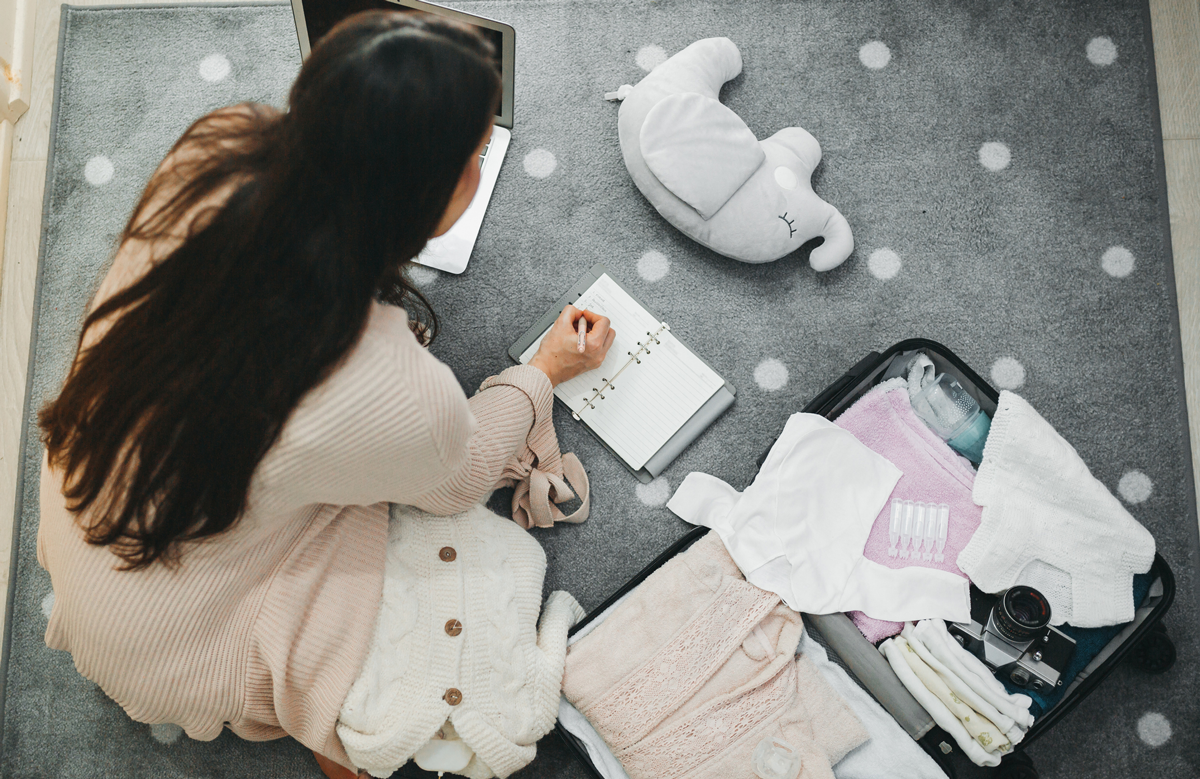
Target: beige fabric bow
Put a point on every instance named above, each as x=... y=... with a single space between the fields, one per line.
x=541 y=475
x=538 y=488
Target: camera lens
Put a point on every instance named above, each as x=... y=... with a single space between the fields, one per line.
x=1021 y=613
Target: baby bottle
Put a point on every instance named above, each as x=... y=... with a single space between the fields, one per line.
x=954 y=415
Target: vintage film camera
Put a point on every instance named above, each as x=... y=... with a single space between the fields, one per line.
x=1011 y=633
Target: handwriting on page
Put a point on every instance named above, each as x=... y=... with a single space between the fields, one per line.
x=631 y=323
x=662 y=387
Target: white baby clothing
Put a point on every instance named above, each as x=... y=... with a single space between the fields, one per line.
x=895 y=649
x=970 y=679
x=979 y=727
x=1049 y=524
x=800 y=529
x=959 y=691
x=457 y=639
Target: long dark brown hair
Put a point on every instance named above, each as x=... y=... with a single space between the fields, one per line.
x=164 y=419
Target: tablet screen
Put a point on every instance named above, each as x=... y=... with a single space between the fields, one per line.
x=320 y=16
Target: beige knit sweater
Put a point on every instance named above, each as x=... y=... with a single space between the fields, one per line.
x=263 y=629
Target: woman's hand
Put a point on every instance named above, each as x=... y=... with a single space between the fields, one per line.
x=559 y=357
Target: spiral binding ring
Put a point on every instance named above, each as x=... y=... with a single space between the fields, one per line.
x=633 y=358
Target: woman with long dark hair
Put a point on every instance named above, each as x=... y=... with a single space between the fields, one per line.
x=252 y=391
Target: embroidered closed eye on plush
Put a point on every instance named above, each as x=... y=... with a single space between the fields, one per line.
x=800 y=529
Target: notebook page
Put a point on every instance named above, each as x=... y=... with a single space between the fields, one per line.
x=652 y=399
x=649 y=402
x=628 y=319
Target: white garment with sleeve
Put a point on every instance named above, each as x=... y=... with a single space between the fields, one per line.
x=1050 y=524
x=458 y=640
x=799 y=530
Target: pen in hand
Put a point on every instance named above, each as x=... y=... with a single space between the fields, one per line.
x=582 y=334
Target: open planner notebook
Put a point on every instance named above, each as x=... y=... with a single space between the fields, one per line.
x=652 y=395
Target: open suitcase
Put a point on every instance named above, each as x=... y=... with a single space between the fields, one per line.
x=1143 y=641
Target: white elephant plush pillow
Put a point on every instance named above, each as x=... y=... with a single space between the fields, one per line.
x=699 y=164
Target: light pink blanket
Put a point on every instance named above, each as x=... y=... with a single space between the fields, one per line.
x=883 y=419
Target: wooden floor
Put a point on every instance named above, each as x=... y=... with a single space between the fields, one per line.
x=1176 y=26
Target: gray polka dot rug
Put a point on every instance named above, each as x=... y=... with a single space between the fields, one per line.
x=1000 y=164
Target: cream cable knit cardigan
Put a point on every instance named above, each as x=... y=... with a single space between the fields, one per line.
x=264 y=628
x=505 y=671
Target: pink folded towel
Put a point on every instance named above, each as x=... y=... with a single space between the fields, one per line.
x=883 y=419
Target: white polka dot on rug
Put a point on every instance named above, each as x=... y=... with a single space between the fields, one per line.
x=1154 y=729
x=884 y=264
x=98 y=170
x=540 y=163
x=214 y=68
x=1007 y=373
x=656 y=493
x=650 y=57
x=166 y=733
x=994 y=155
x=653 y=265
x=1101 y=51
x=421 y=275
x=48 y=604
x=875 y=55
x=771 y=374
x=1135 y=487
x=1117 y=262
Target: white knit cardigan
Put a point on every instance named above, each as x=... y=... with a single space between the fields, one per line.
x=1050 y=524
x=485 y=572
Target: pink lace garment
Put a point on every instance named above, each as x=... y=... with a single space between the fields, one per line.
x=696 y=668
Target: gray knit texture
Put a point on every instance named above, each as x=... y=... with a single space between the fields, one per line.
x=1005 y=267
